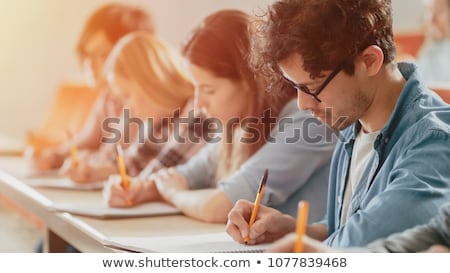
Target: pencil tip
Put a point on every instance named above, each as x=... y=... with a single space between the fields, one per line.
x=264 y=178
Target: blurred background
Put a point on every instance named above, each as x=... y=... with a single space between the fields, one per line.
x=37 y=48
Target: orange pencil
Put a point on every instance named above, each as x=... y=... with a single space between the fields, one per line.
x=73 y=150
x=302 y=220
x=121 y=165
x=123 y=173
x=259 y=195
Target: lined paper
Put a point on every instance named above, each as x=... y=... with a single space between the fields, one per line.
x=204 y=243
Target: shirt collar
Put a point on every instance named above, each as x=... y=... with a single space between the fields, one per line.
x=411 y=91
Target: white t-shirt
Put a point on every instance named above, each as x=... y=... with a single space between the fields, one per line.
x=362 y=152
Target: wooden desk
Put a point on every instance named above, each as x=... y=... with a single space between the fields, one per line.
x=86 y=234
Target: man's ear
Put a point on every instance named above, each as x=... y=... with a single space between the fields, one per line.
x=372 y=59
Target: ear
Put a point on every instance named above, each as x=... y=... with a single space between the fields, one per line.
x=372 y=59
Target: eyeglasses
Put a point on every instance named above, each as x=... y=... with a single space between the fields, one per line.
x=305 y=89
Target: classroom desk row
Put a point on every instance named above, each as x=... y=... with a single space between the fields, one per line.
x=84 y=233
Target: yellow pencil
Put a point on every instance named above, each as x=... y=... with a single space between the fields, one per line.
x=259 y=195
x=73 y=150
x=302 y=221
x=123 y=173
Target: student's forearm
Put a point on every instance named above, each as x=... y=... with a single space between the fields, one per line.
x=89 y=138
x=317 y=231
x=149 y=193
x=209 y=205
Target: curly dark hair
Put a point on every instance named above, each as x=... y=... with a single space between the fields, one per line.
x=326 y=33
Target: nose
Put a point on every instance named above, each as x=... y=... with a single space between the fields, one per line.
x=200 y=101
x=305 y=101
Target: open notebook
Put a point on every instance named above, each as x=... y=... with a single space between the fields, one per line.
x=31 y=174
x=27 y=173
x=212 y=242
x=62 y=183
x=53 y=179
x=105 y=212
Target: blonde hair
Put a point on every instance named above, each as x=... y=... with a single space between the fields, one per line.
x=157 y=70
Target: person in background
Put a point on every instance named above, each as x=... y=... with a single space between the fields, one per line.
x=389 y=171
x=257 y=130
x=100 y=33
x=434 y=57
x=433 y=236
x=104 y=27
x=147 y=76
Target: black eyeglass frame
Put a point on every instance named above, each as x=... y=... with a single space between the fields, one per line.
x=305 y=88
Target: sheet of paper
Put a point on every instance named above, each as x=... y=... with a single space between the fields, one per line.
x=29 y=173
x=204 y=243
x=62 y=183
x=102 y=210
x=22 y=171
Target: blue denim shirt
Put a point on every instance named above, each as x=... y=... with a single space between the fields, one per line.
x=408 y=178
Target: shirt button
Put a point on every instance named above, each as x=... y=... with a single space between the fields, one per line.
x=386 y=140
x=339 y=199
